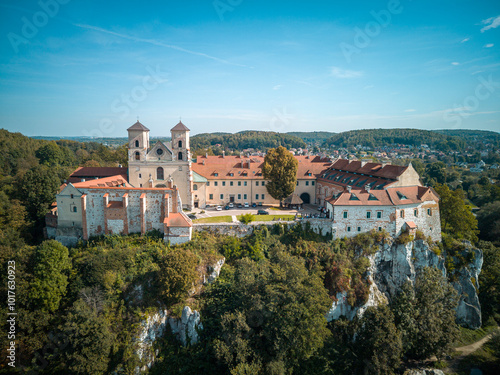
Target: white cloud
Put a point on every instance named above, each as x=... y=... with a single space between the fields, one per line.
x=491 y=23
x=344 y=73
x=465 y=40
x=489 y=45
x=455 y=63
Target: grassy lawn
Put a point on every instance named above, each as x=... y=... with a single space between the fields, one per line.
x=274 y=217
x=214 y=219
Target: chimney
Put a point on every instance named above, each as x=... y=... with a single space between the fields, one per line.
x=206 y=155
x=203 y=162
x=223 y=154
x=367 y=188
x=349 y=188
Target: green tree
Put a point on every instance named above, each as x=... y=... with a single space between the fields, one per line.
x=246 y=218
x=37 y=190
x=177 y=274
x=269 y=313
x=50 y=154
x=89 y=341
x=436 y=172
x=456 y=216
x=489 y=282
x=426 y=315
x=488 y=219
x=378 y=343
x=50 y=275
x=280 y=168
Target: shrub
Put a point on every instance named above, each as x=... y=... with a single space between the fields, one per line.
x=404 y=238
x=246 y=218
x=419 y=235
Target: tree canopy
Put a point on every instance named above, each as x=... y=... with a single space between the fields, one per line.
x=280 y=168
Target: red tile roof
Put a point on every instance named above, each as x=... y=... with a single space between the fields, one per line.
x=112 y=181
x=389 y=197
x=309 y=167
x=178 y=220
x=98 y=171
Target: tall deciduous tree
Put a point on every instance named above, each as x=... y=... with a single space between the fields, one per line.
x=456 y=217
x=425 y=314
x=280 y=168
x=49 y=276
x=50 y=154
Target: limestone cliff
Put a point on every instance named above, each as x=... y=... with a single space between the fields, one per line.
x=393 y=264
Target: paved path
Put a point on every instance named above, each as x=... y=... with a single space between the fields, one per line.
x=468 y=349
x=235 y=220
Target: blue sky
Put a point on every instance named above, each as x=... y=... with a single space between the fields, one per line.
x=77 y=68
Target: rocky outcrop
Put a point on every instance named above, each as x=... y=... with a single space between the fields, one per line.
x=186 y=328
x=214 y=271
x=151 y=328
x=424 y=372
x=393 y=264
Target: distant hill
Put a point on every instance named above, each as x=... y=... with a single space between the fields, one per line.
x=386 y=137
x=258 y=140
x=312 y=136
x=475 y=136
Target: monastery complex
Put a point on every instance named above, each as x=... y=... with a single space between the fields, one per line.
x=162 y=179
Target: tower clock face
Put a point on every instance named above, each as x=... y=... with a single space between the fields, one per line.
x=159 y=152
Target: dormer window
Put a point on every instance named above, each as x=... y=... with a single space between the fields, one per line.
x=353 y=197
x=216 y=174
x=401 y=196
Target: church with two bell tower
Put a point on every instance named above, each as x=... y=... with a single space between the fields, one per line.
x=152 y=166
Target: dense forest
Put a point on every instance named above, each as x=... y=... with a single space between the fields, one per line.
x=243 y=140
x=79 y=309
x=386 y=137
x=312 y=137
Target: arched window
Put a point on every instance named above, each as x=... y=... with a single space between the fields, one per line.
x=180 y=156
x=136 y=143
x=137 y=155
x=195 y=187
x=159 y=173
x=180 y=144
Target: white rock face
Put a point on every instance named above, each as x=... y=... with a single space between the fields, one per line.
x=424 y=372
x=342 y=308
x=214 y=271
x=394 y=264
x=152 y=328
x=186 y=328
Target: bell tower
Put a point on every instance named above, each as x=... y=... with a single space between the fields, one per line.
x=180 y=142
x=138 y=142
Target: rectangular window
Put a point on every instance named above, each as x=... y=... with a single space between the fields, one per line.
x=231 y=183
x=313 y=182
x=222 y=196
x=359 y=229
x=297 y=183
x=415 y=212
x=211 y=196
x=402 y=214
x=72 y=196
x=379 y=214
x=307 y=183
x=216 y=183
x=223 y=183
x=263 y=183
x=208 y=183
x=256 y=196
x=244 y=196
x=429 y=211
x=348 y=229
x=74 y=209
x=244 y=183
x=239 y=183
x=368 y=214
x=380 y=229
x=345 y=214
x=140 y=175
x=141 y=185
x=263 y=196
x=239 y=196
x=256 y=183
